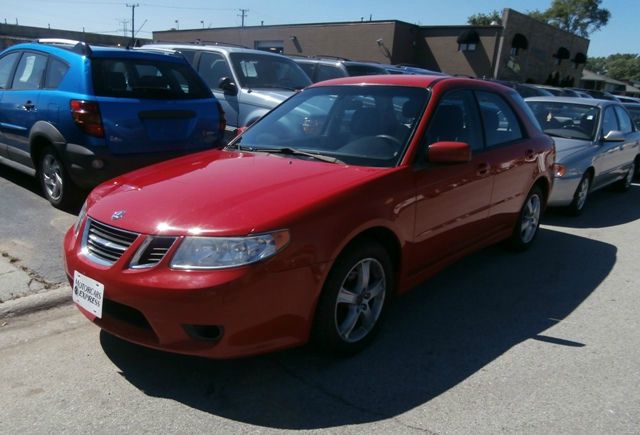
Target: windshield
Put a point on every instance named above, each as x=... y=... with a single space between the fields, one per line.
x=568 y=120
x=256 y=70
x=358 y=125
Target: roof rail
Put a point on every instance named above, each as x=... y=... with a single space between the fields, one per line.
x=69 y=44
x=328 y=56
x=201 y=42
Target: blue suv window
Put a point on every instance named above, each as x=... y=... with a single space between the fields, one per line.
x=6 y=68
x=30 y=71
x=132 y=78
x=55 y=73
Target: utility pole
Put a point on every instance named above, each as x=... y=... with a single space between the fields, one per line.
x=124 y=26
x=243 y=14
x=133 y=20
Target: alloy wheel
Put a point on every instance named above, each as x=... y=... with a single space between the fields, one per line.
x=530 y=218
x=360 y=300
x=52 y=177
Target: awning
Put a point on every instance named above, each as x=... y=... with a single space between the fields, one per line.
x=520 y=41
x=468 y=36
x=580 y=58
x=562 y=53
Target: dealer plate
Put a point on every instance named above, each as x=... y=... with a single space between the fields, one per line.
x=88 y=293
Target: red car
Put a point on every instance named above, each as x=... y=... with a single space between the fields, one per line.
x=350 y=192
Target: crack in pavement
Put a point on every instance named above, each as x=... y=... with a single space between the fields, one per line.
x=34 y=277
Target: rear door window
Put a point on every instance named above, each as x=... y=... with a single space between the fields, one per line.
x=6 y=68
x=55 y=73
x=30 y=71
x=500 y=123
x=327 y=72
x=144 y=79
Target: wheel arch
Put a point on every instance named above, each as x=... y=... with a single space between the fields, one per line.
x=42 y=135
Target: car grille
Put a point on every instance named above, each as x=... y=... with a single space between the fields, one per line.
x=106 y=244
x=152 y=252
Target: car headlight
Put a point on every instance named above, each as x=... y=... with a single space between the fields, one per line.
x=225 y=252
x=81 y=216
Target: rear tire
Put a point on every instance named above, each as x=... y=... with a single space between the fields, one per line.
x=526 y=228
x=57 y=187
x=625 y=184
x=353 y=300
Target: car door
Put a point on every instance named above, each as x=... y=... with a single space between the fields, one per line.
x=212 y=67
x=629 y=148
x=19 y=105
x=7 y=67
x=609 y=153
x=452 y=200
x=510 y=155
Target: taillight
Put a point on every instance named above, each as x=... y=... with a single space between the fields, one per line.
x=222 y=123
x=86 y=115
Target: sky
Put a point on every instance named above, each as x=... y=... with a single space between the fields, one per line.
x=112 y=17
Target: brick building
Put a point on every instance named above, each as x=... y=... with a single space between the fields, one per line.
x=521 y=49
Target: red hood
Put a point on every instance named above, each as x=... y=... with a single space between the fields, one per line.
x=219 y=192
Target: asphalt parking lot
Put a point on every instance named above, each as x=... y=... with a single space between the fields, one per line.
x=546 y=341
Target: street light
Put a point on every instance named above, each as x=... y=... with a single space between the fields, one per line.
x=202 y=22
x=177 y=24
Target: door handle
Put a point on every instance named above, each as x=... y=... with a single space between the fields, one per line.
x=483 y=169
x=29 y=105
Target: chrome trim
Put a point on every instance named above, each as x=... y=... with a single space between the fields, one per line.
x=101 y=241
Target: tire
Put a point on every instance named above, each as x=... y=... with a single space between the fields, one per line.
x=57 y=187
x=526 y=228
x=580 y=196
x=625 y=184
x=349 y=314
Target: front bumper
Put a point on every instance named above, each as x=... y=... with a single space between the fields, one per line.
x=563 y=191
x=256 y=310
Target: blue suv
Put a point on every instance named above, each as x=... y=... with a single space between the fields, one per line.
x=76 y=115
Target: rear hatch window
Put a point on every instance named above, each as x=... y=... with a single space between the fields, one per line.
x=144 y=79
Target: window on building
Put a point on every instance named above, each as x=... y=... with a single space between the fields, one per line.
x=518 y=43
x=468 y=40
x=467 y=46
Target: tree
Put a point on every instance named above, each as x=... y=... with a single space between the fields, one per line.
x=581 y=17
x=481 y=19
x=618 y=66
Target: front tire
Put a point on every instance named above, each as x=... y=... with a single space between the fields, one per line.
x=580 y=196
x=526 y=228
x=57 y=187
x=354 y=298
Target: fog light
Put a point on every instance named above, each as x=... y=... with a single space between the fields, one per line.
x=97 y=164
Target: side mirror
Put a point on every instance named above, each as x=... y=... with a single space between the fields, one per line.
x=449 y=152
x=227 y=85
x=614 y=136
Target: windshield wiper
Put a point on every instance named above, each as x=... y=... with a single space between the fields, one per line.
x=290 y=152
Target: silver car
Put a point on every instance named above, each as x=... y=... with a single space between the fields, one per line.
x=597 y=144
x=248 y=83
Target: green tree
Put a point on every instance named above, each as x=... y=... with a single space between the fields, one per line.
x=624 y=67
x=581 y=17
x=481 y=19
x=618 y=66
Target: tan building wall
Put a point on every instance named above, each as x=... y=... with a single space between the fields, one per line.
x=356 y=41
x=536 y=63
x=11 y=34
x=439 y=50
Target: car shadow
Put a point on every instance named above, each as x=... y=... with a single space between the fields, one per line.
x=434 y=337
x=604 y=208
x=30 y=183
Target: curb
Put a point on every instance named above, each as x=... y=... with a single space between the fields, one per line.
x=36 y=302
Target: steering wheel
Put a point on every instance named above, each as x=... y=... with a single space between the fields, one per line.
x=394 y=141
